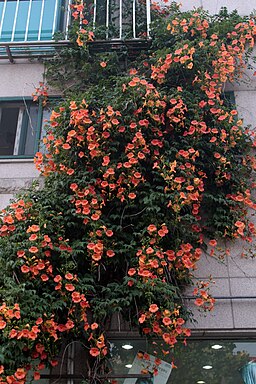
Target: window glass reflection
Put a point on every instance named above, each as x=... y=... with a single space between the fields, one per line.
x=30 y=20
x=21 y=21
x=8 y=20
x=200 y=362
x=31 y=134
x=34 y=20
x=48 y=20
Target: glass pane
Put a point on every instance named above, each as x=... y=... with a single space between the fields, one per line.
x=213 y=362
x=48 y=18
x=8 y=126
x=21 y=21
x=203 y=361
x=199 y=362
x=1 y=10
x=45 y=123
x=35 y=6
x=31 y=131
x=34 y=20
x=8 y=21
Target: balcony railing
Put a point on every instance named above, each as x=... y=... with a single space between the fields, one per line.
x=122 y=18
x=35 y=23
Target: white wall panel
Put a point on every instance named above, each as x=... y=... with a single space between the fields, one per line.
x=19 y=80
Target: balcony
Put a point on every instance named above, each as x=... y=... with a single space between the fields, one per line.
x=28 y=27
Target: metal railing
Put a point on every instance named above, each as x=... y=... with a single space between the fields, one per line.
x=123 y=18
x=36 y=20
x=28 y=27
x=122 y=13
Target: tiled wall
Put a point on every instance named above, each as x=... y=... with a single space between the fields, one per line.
x=244 y=7
x=236 y=275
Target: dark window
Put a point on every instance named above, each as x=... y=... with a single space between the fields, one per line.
x=19 y=128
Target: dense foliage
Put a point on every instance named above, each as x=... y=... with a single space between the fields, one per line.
x=146 y=162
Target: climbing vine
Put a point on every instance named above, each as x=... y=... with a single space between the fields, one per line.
x=146 y=164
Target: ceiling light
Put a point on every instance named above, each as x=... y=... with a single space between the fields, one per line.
x=200 y=382
x=207 y=367
x=128 y=365
x=217 y=346
x=127 y=346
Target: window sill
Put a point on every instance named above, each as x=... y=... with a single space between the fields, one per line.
x=16 y=159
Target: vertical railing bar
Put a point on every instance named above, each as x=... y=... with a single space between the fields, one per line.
x=68 y=18
x=107 y=18
x=120 y=19
x=134 y=18
x=15 y=19
x=28 y=20
x=148 y=18
x=55 y=17
x=94 y=14
x=41 y=21
x=81 y=18
x=2 y=18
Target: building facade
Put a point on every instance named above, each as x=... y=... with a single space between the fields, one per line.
x=223 y=344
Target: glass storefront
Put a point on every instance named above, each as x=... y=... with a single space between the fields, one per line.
x=132 y=361
x=199 y=362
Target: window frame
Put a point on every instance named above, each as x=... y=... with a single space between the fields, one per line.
x=22 y=127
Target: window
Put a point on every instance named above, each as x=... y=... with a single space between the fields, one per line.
x=28 y=20
x=130 y=361
x=200 y=361
x=20 y=123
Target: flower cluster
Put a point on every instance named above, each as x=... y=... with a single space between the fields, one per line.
x=83 y=35
x=41 y=93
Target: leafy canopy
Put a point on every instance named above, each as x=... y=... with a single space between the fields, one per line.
x=145 y=159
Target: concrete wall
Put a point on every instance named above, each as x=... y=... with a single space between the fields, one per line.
x=15 y=175
x=20 y=79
